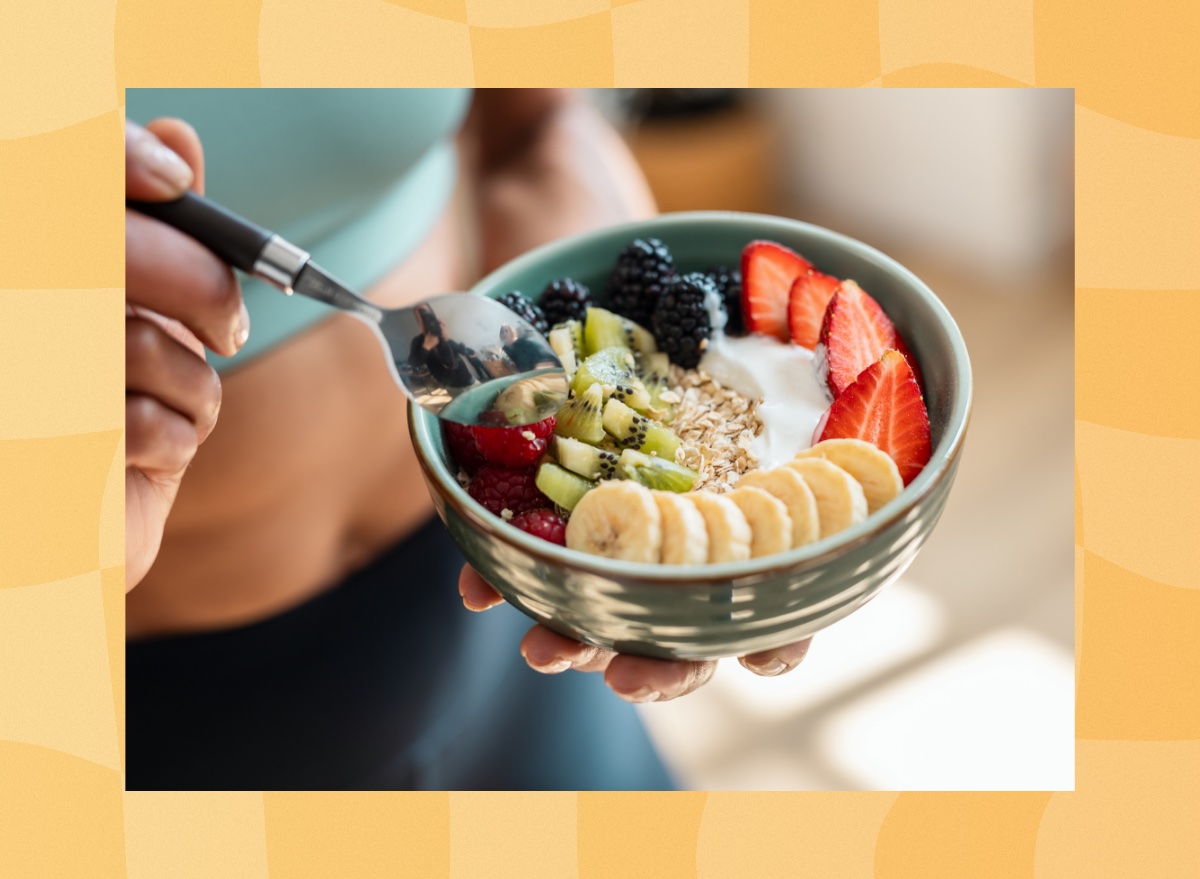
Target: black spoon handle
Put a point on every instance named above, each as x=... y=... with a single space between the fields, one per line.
x=234 y=239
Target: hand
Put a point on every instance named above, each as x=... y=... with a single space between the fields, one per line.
x=179 y=298
x=633 y=678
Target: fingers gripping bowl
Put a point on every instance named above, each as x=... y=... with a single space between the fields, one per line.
x=727 y=608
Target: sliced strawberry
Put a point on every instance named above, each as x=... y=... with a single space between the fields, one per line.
x=885 y=408
x=768 y=270
x=807 y=301
x=855 y=333
x=912 y=362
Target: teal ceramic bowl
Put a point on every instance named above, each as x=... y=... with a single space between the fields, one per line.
x=710 y=611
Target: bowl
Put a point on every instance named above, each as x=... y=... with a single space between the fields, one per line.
x=733 y=608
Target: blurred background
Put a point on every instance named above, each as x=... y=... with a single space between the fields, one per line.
x=960 y=675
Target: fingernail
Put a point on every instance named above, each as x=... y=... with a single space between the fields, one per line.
x=164 y=163
x=552 y=668
x=645 y=694
x=242 y=333
x=769 y=669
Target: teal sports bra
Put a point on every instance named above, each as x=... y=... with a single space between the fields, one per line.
x=357 y=177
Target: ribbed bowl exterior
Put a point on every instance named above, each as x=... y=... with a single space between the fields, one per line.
x=705 y=613
x=729 y=617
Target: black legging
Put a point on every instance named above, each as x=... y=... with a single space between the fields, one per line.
x=385 y=682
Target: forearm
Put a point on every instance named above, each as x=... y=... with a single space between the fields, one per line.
x=572 y=173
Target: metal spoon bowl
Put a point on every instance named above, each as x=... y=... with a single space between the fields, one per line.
x=464 y=358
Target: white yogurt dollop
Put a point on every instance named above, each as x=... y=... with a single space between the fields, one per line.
x=783 y=379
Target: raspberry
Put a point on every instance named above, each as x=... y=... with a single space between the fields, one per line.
x=514 y=446
x=499 y=488
x=463 y=448
x=543 y=523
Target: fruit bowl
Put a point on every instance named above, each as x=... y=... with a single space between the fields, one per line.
x=731 y=608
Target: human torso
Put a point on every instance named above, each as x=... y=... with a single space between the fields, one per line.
x=309 y=473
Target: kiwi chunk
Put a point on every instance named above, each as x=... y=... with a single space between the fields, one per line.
x=562 y=342
x=654 y=370
x=603 y=329
x=561 y=486
x=656 y=472
x=613 y=370
x=632 y=430
x=588 y=461
x=581 y=418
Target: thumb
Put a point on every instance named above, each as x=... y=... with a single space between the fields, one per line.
x=153 y=172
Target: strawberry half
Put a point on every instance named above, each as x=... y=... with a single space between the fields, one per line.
x=854 y=333
x=768 y=270
x=885 y=408
x=809 y=296
x=912 y=362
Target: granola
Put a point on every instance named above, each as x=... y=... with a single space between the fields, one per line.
x=717 y=425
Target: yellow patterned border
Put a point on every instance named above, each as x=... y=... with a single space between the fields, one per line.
x=63 y=67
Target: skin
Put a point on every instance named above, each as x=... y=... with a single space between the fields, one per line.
x=204 y=552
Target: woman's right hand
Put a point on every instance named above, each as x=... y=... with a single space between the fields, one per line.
x=179 y=299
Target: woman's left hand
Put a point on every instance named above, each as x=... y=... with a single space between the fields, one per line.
x=633 y=678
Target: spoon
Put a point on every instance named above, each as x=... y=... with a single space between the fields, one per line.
x=466 y=359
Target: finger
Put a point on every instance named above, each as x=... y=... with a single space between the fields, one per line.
x=170 y=326
x=158 y=440
x=153 y=171
x=183 y=140
x=551 y=653
x=641 y=679
x=772 y=663
x=158 y=366
x=477 y=594
x=168 y=272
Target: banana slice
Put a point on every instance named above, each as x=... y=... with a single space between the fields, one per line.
x=840 y=499
x=770 y=524
x=684 y=534
x=728 y=531
x=617 y=519
x=874 y=468
x=790 y=487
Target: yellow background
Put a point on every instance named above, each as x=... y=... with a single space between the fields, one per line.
x=63 y=65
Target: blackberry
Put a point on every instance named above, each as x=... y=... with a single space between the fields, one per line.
x=565 y=300
x=729 y=285
x=681 y=319
x=642 y=271
x=525 y=309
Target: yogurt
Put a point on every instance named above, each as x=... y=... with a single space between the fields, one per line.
x=783 y=379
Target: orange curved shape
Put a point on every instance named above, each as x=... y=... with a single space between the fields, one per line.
x=949 y=76
x=62 y=815
x=981 y=835
x=1140 y=655
x=1123 y=59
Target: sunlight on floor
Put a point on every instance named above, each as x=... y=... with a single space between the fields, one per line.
x=978 y=742
x=705 y=737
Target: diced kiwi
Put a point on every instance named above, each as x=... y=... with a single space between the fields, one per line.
x=588 y=461
x=562 y=342
x=660 y=442
x=603 y=329
x=561 y=486
x=613 y=370
x=634 y=431
x=581 y=418
x=654 y=370
x=656 y=472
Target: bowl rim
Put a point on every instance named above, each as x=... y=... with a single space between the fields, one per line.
x=797 y=560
